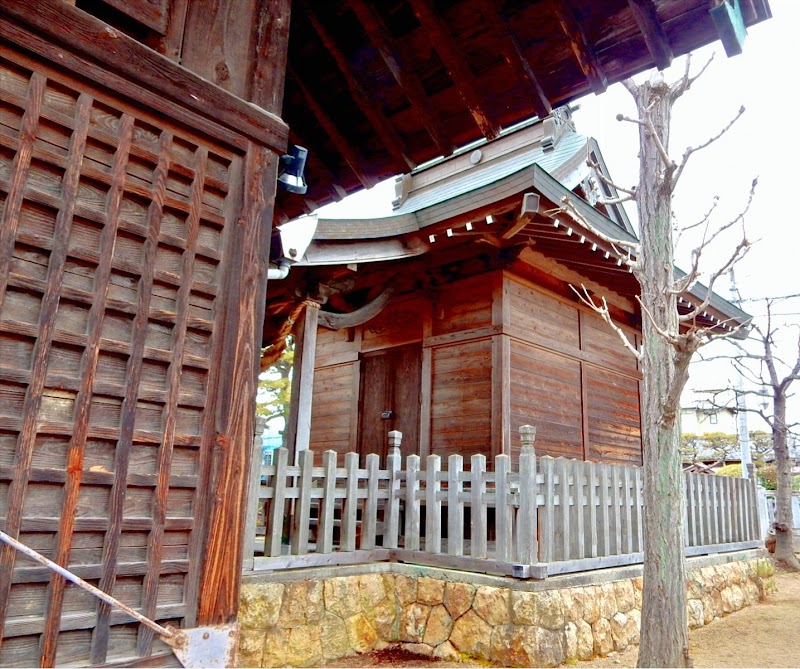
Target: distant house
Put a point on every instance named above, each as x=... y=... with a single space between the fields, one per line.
x=702 y=419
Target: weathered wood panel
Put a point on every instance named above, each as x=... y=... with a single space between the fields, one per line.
x=115 y=257
x=613 y=417
x=542 y=315
x=546 y=392
x=332 y=412
x=605 y=345
x=398 y=324
x=463 y=305
x=461 y=398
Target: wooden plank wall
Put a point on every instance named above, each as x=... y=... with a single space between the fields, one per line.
x=120 y=286
x=498 y=352
x=571 y=378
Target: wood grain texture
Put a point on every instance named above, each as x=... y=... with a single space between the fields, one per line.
x=77 y=446
x=219 y=585
x=89 y=38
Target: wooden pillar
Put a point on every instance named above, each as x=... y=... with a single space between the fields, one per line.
x=299 y=427
x=501 y=371
x=222 y=553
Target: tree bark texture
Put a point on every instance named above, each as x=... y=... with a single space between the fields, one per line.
x=664 y=629
x=784 y=541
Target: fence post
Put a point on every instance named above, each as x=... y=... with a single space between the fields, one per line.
x=477 y=506
x=502 y=510
x=455 y=506
x=350 y=508
x=412 y=504
x=527 y=542
x=393 y=503
x=253 y=502
x=303 y=508
x=274 y=539
x=370 y=523
x=433 y=506
x=325 y=527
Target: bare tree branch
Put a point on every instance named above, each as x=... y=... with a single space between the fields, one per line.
x=608 y=182
x=693 y=149
x=588 y=300
x=685 y=83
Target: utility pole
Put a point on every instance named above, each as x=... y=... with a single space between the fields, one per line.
x=741 y=403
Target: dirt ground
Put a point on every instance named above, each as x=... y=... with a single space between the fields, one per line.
x=764 y=635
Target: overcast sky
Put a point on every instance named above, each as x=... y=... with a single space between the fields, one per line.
x=763 y=143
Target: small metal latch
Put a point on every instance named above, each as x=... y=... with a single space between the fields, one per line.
x=387 y=414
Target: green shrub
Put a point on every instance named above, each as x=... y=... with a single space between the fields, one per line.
x=768 y=477
x=730 y=470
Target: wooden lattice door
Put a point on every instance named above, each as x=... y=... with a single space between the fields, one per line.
x=132 y=260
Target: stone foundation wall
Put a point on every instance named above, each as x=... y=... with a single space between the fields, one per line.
x=287 y=620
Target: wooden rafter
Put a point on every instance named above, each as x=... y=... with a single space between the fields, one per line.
x=455 y=62
x=407 y=79
x=654 y=36
x=350 y=154
x=579 y=43
x=493 y=15
x=382 y=127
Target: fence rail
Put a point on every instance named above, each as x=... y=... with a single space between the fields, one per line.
x=546 y=516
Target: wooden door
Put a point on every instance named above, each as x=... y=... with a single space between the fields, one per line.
x=390 y=399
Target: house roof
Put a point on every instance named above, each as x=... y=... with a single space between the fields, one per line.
x=481 y=194
x=375 y=89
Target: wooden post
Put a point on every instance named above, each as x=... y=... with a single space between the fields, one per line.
x=578 y=478
x=393 y=503
x=502 y=509
x=433 y=506
x=562 y=527
x=253 y=501
x=412 y=504
x=617 y=509
x=370 y=521
x=303 y=508
x=477 y=506
x=455 y=507
x=593 y=503
x=603 y=480
x=278 y=503
x=548 y=517
x=299 y=423
x=350 y=510
x=527 y=541
x=325 y=527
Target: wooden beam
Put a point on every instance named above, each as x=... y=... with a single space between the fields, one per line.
x=299 y=424
x=219 y=45
x=271 y=54
x=493 y=15
x=455 y=61
x=236 y=381
x=579 y=43
x=644 y=12
x=168 y=87
x=351 y=155
x=406 y=78
x=334 y=321
x=382 y=127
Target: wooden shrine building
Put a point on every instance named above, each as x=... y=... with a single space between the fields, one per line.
x=141 y=144
x=456 y=319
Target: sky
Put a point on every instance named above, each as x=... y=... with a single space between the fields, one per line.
x=764 y=143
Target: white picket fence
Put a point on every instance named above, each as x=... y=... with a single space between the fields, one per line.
x=546 y=516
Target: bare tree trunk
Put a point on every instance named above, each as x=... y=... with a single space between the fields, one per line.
x=784 y=541
x=664 y=629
